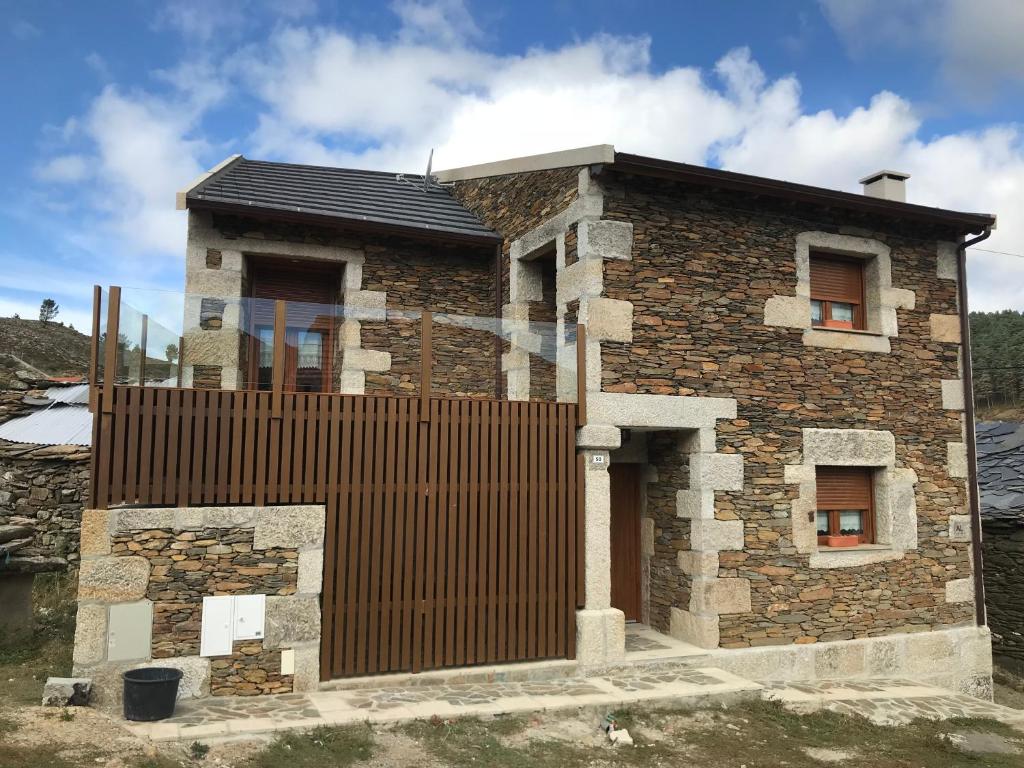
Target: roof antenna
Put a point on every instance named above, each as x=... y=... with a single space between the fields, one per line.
x=429 y=180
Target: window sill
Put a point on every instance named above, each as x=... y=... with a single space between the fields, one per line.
x=845 y=338
x=854 y=331
x=854 y=557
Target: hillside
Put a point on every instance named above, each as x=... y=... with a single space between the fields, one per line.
x=52 y=348
x=997 y=341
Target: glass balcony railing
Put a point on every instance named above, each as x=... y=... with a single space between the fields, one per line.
x=167 y=339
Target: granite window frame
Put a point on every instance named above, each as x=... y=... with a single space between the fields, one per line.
x=881 y=299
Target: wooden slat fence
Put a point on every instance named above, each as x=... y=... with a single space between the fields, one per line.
x=454 y=535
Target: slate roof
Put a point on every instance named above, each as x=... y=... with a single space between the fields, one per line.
x=341 y=195
x=1001 y=469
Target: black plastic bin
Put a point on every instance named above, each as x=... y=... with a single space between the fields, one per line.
x=150 y=693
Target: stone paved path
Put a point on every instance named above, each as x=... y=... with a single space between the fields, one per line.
x=885 y=702
x=226 y=717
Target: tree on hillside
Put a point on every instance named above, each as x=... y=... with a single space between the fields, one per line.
x=171 y=352
x=48 y=310
x=997 y=347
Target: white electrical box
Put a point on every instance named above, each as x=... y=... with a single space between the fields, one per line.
x=229 y=618
x=215 y=637
x=249 y=614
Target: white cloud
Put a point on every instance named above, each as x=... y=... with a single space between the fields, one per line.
x=330 y=97
x=64 y=168
x=978 y=42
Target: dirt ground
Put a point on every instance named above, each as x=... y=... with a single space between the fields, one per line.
x=754 y=735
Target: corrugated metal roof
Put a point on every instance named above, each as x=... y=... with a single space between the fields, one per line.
x=77 y=394
x=1001 y=469
x=340 y=194
x=65 y=425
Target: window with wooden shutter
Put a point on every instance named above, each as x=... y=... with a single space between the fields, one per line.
x=845 y=506
x=837 y=292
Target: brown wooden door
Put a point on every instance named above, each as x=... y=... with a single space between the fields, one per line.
x=625 y=533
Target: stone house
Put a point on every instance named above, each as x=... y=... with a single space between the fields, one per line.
x=772 y=462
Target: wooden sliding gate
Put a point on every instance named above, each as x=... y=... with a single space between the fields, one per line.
x=454 y=526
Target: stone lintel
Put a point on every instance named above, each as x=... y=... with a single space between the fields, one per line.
x=658 y=411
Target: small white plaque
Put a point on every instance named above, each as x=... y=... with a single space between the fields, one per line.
x=598 y=459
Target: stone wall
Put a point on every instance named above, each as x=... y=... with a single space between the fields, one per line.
x=702 y=267
x=516 y=203
x=447 y=281
x=1003 y=552
x=43 y=487
x=145 y=573
x=668 y=585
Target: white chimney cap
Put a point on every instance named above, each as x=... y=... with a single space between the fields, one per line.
x=888 y=185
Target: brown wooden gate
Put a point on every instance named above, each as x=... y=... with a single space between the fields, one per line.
x=453 y=537
x=454 y=531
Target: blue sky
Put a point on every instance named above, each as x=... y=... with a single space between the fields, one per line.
x=112 y=107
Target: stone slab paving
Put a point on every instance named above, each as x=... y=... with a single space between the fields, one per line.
x=235 y=716
x=885 y=702
x=888 y=702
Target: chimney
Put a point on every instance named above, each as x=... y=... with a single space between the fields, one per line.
x=888 y=185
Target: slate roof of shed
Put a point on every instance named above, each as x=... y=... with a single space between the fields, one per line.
x=339 y=195
x=1001 y=469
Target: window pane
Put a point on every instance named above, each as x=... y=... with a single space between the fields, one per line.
x=266 y=340
x=851 y=521
x=817 y=312
x=842 y=312
x=823 y=523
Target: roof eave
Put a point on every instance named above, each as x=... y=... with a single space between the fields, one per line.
x=181 y=197
x=965 y=223
x=343 y=222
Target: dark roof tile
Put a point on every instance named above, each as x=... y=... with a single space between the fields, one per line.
x=342 y=194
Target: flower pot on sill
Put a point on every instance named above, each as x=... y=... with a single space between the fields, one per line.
x=847 y=540
x=844 y=324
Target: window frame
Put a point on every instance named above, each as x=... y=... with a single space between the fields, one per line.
x=857 y=301
x=867 y=536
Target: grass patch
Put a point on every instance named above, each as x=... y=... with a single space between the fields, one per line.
x=321 y=747
x=25 y=666
x=766 y=728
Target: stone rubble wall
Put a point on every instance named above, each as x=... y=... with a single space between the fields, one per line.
x=1003 y=552
x=703 y=265
x=447 y=281
x=161 y=563
x=42 y=486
